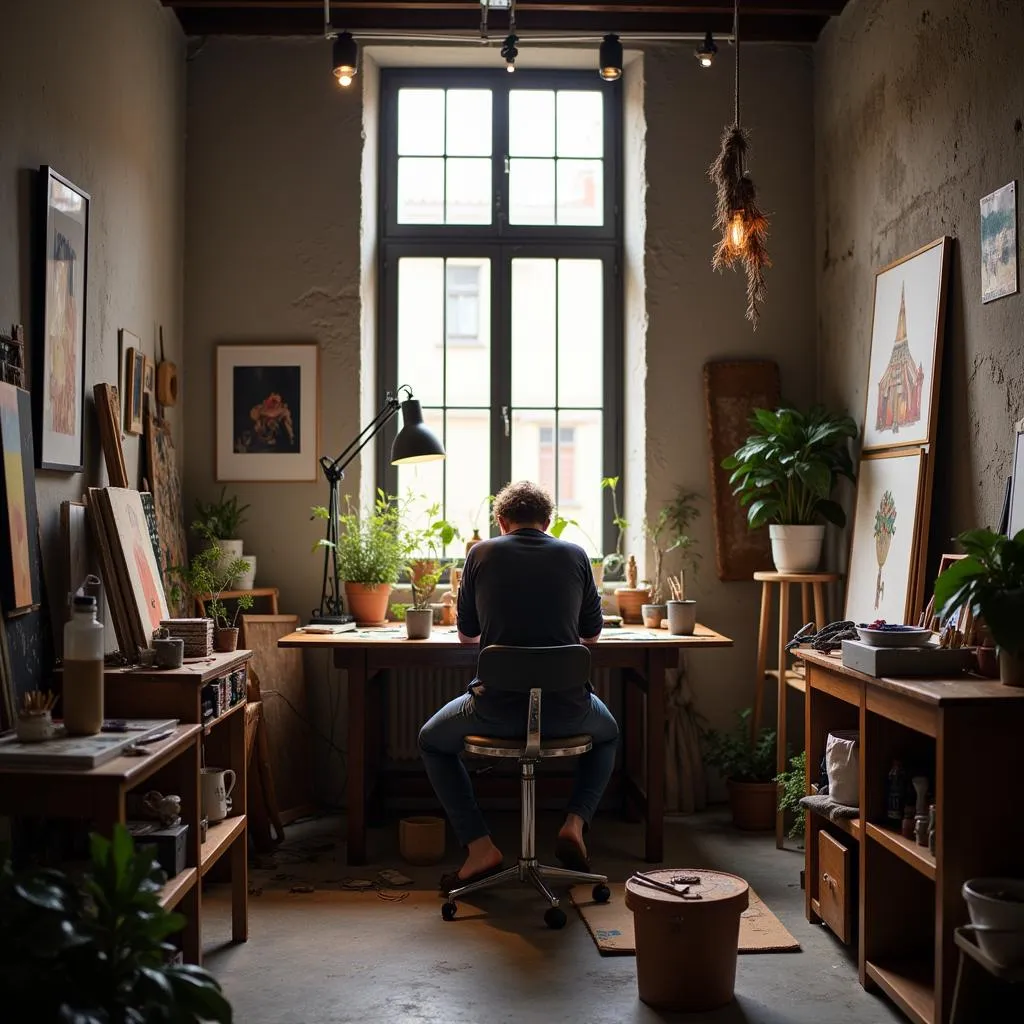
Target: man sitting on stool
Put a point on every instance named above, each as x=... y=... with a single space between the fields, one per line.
x=522 y=589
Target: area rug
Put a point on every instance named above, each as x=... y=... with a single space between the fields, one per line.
x=611 y=924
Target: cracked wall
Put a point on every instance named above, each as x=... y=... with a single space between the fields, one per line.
x=918 y=109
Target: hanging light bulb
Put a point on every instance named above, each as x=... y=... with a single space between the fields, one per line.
x=610 y=60
x=738 y=231
x=346 y=59
x=509 y=52
x=705 y=53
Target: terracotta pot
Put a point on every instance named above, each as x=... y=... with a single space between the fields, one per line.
x=653 y=614
x=368 y=602
x=631 y=601
x=227 y=639
x=475 y=539
x=1011 y=668
x=753 y=805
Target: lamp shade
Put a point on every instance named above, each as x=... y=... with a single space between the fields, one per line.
x=414 y=442
x=610 y=58
x=345 y=58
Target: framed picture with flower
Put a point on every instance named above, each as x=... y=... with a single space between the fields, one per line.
x=267 y=412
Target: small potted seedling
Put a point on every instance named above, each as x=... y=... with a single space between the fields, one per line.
x=669 y=531
x=208 y=576
x=428 y=546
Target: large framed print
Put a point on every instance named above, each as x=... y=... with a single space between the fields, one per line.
x=888 y=537
x=905 y=362
x=58 y=369
x=267 y=412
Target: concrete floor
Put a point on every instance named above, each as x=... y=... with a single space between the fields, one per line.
x=307 y=963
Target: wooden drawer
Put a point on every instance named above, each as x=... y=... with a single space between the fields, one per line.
x=835 y=886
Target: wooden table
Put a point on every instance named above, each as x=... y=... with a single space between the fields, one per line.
x=99 y=794
x=644 y=655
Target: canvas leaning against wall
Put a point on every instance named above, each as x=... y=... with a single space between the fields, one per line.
x=906 y=349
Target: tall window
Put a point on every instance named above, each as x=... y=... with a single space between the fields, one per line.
x=501 y=297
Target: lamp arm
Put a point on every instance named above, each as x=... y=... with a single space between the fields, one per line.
x=333 y=469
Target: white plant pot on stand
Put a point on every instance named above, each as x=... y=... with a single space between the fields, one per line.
x=229 y=550
x=248 y=579
x=796 y=548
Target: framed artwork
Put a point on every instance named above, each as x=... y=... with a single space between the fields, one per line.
x=135 y=372
x=999 y=243
x=58 y=390
x=20 y=574
x=81 y=562
x=169 y=509
x=1016 y=518
x=888 y=537
x=148 y=377
x=266 y=412
x=906 y=349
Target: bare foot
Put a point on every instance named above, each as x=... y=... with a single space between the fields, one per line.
x=481 y=855
x=573 y=831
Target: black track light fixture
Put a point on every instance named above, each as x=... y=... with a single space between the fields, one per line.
x=610 y=63
x=509 y=51
x=346 y=58
x=705 y=53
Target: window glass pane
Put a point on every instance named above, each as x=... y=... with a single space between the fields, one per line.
x=468 y=191
x=531 y=123
x=468 y=472
x=420 y=190
x=531 y=192
x=420 y=122
x=580 y=192
x=580 y=460
x=468 y=332
x=534 y=320
x=580 y=124
x=421 y=328
x=421 y=484
x=580 y=332
x=468 y=122
x=533 y=456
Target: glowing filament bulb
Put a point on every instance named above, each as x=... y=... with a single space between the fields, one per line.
x=737 y=231
x=344 y=79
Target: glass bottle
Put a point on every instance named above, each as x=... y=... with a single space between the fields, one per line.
x=82 y=697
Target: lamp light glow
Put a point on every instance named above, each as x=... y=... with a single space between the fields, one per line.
x=738 y=231
x=610 y=58
x=509 y=52
x=345 y=59
x=705 y=53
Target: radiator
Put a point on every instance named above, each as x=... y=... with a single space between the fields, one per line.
x=413 y=695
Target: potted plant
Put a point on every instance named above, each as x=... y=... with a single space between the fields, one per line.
x=427 y=546
x=93 y=949
x=668 y=531
x=597 y=562
x=632 y=598
x=615 y=563
x=476 y=538
x=748 y=766
x=792 y=785
x=784 y=475
x=218 y=523
x=371 y=551
x=990 y=580
x=208 y=576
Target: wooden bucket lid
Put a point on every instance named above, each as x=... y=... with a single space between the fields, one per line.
x=718 y=891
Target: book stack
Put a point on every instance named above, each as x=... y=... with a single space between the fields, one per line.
x=197 y=634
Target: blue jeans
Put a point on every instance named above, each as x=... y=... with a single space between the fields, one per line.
x=441 y=743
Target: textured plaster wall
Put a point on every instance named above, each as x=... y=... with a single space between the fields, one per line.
x=95 y=88
x=918 y=115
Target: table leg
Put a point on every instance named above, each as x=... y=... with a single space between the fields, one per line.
x=632 y=744
x=805 y=603
x=657 y=665
x=356 y=790
x=820 y=614
x=780 y=748
x=762 y=656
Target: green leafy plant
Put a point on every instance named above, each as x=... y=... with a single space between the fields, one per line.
x=670 y=531
x=220 y=519
x=398 y=612
x=786 y=470
x=989 y=580
x=426 y=548
x=740 y=757
x=94 y=950
x=207 y=576
x=372 y=547
x=792 y=786
x=616 y=561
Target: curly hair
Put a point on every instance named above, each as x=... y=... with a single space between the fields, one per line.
x=523 y=502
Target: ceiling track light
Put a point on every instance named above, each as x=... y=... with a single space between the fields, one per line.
x=345 y=62
x=610 y=59
x=509 y=51
x=705 y=53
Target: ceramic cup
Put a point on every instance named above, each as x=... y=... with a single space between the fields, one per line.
x=217 y=788
x=169 y=653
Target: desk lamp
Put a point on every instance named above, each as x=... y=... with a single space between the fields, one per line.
x=413 y=443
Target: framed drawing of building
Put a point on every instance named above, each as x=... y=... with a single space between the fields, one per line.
x=905 y=361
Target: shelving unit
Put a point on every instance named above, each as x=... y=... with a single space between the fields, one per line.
x=908 y=901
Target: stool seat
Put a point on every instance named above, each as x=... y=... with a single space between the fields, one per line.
x=556 y=746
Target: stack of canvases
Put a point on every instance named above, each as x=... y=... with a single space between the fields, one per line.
x=128 y=564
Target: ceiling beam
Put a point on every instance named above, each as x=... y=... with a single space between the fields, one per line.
x=776 y=8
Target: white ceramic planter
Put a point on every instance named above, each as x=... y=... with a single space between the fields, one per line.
x=796 y=548
x=996 y=907
x=248 y=580
x=229 y=550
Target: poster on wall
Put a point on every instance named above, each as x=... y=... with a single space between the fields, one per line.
x=887 y=536
x=999 y=243
x=267 y=416
x=906 y=349
x=58 y=387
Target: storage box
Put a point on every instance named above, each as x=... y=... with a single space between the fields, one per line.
x=905 y=661
x=168 y=844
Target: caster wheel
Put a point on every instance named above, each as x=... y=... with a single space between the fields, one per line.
x=601 y=893
x=448 y=910
x=554 y=917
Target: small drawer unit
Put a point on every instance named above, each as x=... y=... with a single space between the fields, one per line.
x=836 y=886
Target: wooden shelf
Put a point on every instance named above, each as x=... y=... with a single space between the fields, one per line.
x=851 y=826
x=920 y=858
x=218 y=838
x=208 y=725
x=908 y=983
x=794 y=680
x=176 y=888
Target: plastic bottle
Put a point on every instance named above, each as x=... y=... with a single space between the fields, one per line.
x=82 y=699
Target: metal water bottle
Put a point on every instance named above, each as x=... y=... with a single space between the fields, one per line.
x=82 y=697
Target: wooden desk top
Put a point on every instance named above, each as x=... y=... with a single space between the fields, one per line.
x=965 y=689
x=196 y=671
x=446 y=636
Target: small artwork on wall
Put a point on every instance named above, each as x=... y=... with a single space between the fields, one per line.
x=267 y=412
x=134 y=390
x=999 y=243
x=906 y=349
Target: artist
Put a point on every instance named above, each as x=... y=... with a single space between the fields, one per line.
x=522 y=589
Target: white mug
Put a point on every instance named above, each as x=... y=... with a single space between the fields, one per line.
x=217 y=792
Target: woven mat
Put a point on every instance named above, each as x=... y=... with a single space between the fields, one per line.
x=611 y=924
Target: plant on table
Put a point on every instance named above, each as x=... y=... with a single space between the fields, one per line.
x=670 y=531
x=747 y=763
x=784 y=475
x=426 y=547
x=93 y=949
x=615 y=562
x=207 y=577
x=792 y=785
x=220 y=519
